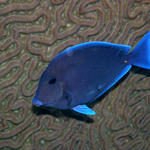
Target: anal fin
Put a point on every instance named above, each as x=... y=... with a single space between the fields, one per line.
x=83 y=109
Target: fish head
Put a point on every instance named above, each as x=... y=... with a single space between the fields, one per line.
x=50 y=91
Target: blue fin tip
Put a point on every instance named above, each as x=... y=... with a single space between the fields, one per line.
x=36 y=102
x=83 y=109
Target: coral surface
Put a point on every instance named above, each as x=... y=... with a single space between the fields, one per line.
x=32 y=32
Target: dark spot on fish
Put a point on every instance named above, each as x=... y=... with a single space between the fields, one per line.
x=52 y=81
x=68 y=97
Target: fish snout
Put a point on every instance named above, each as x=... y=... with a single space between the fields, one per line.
x=36 y=102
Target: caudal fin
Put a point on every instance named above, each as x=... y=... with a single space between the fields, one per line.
x=140 y=55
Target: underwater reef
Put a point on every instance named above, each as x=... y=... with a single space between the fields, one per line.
x=32 y=33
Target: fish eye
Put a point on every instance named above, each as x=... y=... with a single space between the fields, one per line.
x=52 y=81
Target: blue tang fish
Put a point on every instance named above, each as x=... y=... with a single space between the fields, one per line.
x=83 y=72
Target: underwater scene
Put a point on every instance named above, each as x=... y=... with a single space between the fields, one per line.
x=74 y=74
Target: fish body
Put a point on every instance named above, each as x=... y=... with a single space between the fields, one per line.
x=83 y=72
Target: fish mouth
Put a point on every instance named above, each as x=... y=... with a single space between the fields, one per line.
x=36 y=102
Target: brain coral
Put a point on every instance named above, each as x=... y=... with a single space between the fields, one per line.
x=32 y=32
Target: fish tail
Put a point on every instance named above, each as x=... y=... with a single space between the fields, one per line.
x=140 y=55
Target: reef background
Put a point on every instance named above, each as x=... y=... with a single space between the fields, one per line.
x=32 y=32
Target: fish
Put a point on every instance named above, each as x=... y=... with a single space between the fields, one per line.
x=83 y=72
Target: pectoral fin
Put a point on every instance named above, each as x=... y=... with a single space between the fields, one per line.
x=83 y=109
